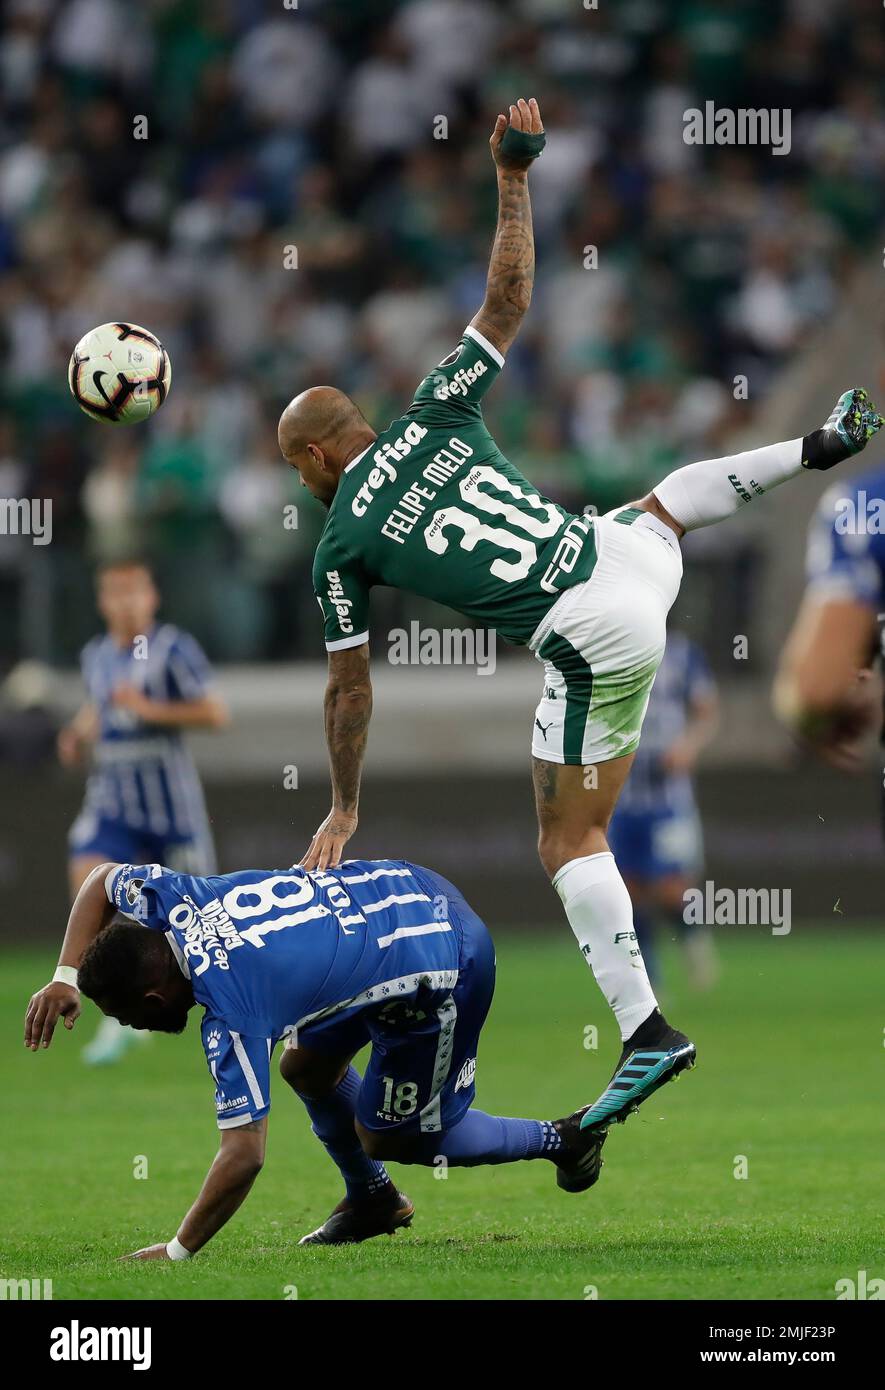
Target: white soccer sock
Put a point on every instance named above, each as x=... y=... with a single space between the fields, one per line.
x=701 y=493
x=600 y=913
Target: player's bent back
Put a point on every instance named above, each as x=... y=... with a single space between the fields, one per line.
x=321 y=960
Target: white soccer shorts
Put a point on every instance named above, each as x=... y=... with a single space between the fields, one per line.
x=602 y=642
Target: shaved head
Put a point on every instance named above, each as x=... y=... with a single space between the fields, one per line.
x=319 y=432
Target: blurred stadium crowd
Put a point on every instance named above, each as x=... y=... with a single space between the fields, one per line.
x=270 y=128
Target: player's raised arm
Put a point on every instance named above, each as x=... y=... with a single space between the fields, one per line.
x=348 y=710
x=514 y=144
x=61 y=997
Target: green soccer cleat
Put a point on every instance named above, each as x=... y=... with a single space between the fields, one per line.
x=640 y=1072
x=851 y=425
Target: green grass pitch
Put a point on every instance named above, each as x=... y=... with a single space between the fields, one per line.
x=790 y=1076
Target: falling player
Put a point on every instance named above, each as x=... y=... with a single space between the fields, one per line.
x=430 y=504
x=380 y=952
x=146 y=683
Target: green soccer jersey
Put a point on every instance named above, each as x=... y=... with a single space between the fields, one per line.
x=433 y=506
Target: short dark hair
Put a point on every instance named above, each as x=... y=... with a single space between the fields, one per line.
x=122 y=964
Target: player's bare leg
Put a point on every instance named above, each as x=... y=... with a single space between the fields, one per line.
x=667 y=898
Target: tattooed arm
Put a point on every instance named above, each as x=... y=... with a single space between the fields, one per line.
x=512 y=264
x=348 y=709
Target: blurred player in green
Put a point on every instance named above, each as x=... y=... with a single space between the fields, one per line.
x=432 y=505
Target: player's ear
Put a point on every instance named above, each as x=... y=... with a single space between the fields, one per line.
x=318 y=457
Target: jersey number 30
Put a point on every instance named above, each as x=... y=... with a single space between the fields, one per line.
x=535 y=519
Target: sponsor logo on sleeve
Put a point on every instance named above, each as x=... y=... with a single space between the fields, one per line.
x=234 y=1103
x=339 y=600
x=461 y=382
x=133 y=890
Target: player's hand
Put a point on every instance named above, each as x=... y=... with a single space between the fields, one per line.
x=150 y=1252
x=524 y=115
x=329 y=840
x=134 y=700
x=843 y=740
x=69 y=746
x=47 y=1006
x=680 y=757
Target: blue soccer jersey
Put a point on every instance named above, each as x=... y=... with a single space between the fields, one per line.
x=846 y=542
x=276 y=953
x=143 y=788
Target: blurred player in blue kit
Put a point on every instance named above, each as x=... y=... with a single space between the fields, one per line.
x=380 y=952
x=655 y=833
x=146 y=683
x=824 y=692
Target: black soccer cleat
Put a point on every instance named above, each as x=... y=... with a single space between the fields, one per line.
x=579 y=1161
x=381 y=1215
x=655 y=1054
x=851 y=425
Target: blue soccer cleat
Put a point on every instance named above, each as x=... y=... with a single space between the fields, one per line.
x=640 y=1072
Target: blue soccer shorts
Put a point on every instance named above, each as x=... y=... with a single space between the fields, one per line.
x=99 y=837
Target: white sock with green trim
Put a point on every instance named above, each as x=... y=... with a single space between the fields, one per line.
x=600 y=913
x=702 y=493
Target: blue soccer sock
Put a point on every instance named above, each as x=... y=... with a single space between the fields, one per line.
x=332 y=1122
x=481 y=1138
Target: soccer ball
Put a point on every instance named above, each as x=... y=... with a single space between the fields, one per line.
x=119 y=373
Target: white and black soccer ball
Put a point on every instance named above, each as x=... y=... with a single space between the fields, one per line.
x=119 y=373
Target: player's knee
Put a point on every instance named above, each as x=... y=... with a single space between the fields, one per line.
x=549 y=851
x=312 y=1076
x=559 y=845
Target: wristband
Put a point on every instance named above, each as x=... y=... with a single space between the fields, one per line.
x=176 y=1251
x=65 y=975
x=522 y=144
